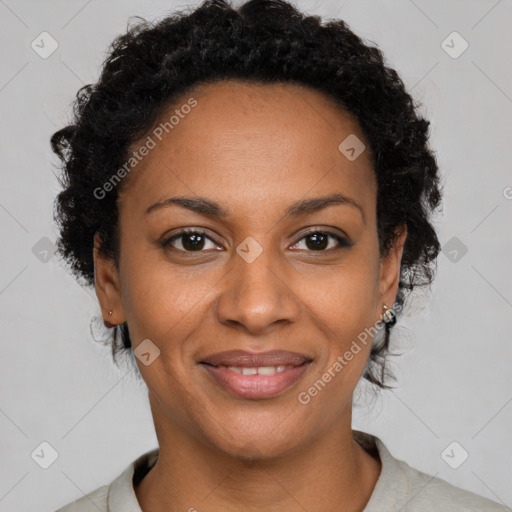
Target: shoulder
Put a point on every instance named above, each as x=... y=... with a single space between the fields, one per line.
x=119 y=495
x=93 y=502
x=431 y=493
x=402 y=487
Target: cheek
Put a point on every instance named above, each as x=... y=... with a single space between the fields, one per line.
x=346 y=317
x=344 y=306
x=159 y=305
x=346 y=297
x=163 y=302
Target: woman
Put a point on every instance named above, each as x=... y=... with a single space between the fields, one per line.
x=250 y=191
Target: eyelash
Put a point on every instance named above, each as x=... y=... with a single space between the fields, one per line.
x=343 y=243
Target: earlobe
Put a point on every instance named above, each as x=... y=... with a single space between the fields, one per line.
x=107 y=286
x=390 y=267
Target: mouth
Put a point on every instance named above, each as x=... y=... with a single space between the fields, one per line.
x=254 y=376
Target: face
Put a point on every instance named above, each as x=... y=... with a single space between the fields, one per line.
x=266 y=264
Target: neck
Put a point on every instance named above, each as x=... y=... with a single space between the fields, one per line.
x=334 y=473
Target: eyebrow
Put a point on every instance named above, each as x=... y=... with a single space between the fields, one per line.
x=208 y=207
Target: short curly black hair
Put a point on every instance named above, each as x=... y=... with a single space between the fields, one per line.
x=261 y=41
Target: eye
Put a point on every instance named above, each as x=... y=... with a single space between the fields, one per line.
x=318 y=241
x=196 y=240
x=189 y=240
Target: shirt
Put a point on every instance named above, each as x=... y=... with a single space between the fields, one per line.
x=399 y=488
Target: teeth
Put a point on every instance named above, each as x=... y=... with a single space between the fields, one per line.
x=261 y=370
x=266 y=370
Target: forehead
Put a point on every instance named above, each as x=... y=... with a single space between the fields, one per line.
x=267 y=143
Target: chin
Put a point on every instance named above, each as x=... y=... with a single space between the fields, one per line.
x=257 y=436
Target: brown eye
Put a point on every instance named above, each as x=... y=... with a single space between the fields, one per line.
x=190 y=241
x=319 y=241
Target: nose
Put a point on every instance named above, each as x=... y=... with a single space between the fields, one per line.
x=258 y=295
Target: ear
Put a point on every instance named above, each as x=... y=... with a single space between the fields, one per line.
x=389 y=275
x=107 y=285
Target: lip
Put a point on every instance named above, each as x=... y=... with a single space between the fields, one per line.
x=256 y=386
x=255 y=359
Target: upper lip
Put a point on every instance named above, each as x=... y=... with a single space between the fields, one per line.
x=256 y=359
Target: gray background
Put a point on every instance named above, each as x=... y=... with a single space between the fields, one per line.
x=58 y=386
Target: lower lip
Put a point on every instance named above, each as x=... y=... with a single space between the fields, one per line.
x=256 y=386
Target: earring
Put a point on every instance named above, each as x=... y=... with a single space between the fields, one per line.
x=389 y=316
x=110 y=313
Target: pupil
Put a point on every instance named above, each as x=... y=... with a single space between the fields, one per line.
x=316 y=236
x=197 y=241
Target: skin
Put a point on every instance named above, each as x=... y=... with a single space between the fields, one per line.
x=254 y=149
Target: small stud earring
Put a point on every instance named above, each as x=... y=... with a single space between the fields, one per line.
x=389 y=316
x=110 y=313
